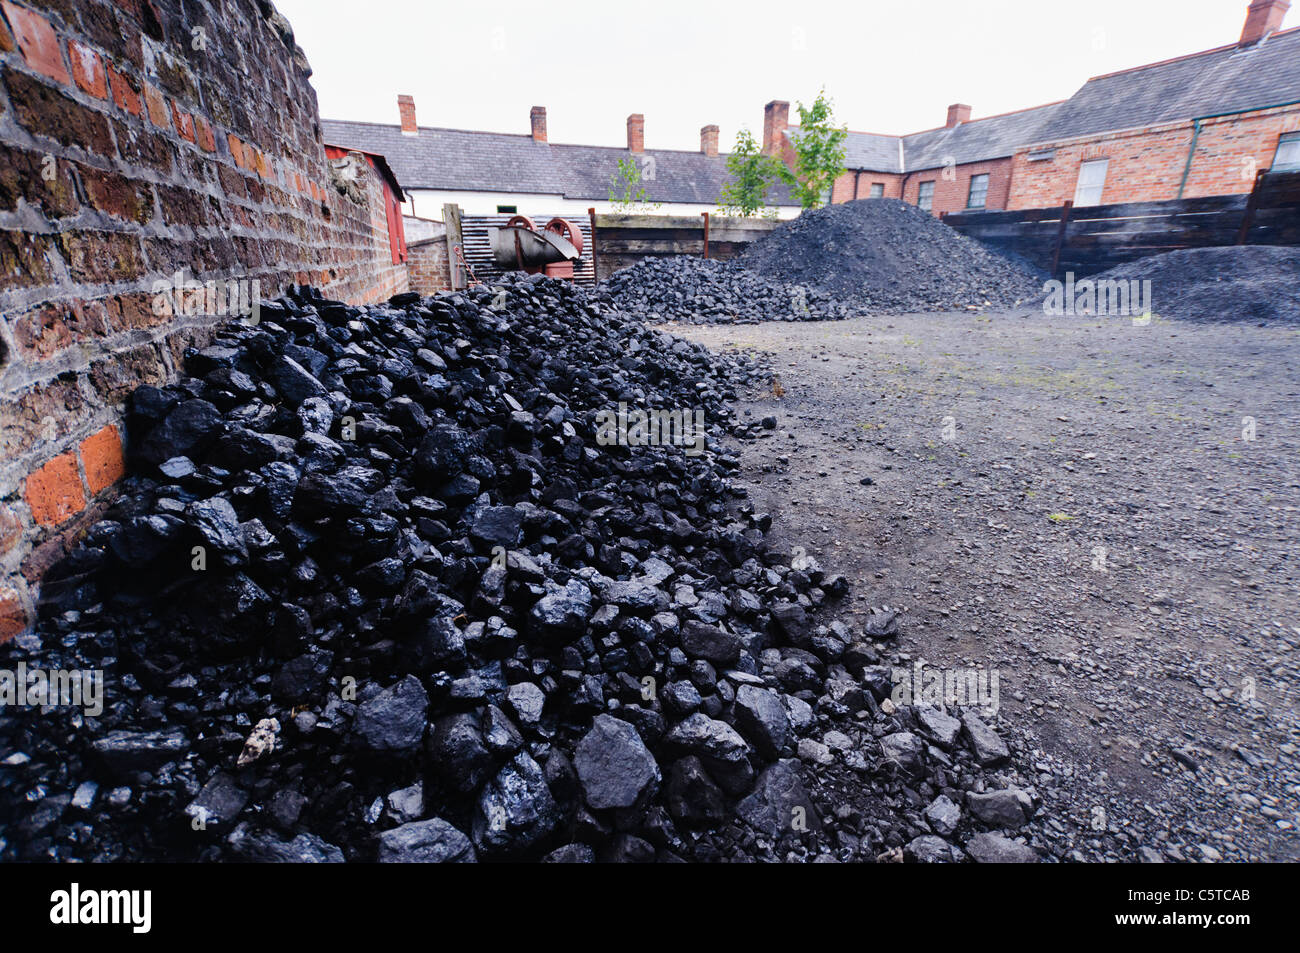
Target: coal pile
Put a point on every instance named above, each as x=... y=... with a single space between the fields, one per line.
x=1252 y=283
x=706 y=291
x=377 y=590
x=890 y=257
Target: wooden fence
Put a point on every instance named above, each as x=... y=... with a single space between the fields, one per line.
x=1090 y=240
x=623 y=240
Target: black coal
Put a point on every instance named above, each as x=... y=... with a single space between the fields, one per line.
x=706 y=291
x=376 y=591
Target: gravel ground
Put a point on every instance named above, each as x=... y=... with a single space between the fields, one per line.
x=1096 y=530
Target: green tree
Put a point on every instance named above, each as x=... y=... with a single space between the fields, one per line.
x=625 y=188
x=752 y=174
x=818 y=153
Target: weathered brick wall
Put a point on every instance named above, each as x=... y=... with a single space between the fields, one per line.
x=1147 y=164
x=139 y=138
x=951 y=191
x=952 y=186
x=427 y=266
x=852 y=185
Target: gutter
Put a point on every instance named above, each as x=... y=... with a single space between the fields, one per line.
x=1196 y=133
x=1191 y=152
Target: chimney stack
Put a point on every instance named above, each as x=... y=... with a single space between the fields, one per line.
x=957 y=114
x=538 y=117
x=776 y=117
x=406 y=108
x=709 y=140
x=636 y=133
x=1262 y=18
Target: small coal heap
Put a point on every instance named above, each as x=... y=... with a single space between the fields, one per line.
x=381 y=588
x=706 y=291
x=1255 y=283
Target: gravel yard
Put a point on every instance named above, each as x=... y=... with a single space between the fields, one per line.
x=1073 y=503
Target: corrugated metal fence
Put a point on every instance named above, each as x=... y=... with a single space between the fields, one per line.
x=476 y=241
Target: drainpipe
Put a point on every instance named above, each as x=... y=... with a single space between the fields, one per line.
x=1191 y=152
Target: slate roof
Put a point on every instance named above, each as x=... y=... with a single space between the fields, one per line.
x=1219 y=81
x=463 y=160
x=996 y=137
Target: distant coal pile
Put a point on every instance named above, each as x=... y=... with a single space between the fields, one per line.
x=704 y=291
x=889 y=257
x=1252 y=283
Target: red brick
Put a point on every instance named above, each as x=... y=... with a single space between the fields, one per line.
x=13 y=618
x=236 y=149
x=184 y=123
x=11 y=529
x=101 y=456
x=156 y=104
x=125 y=93
x=102 y=256
x=24 y=259
x=54 y=492
x=88 y=70
x=7 y=44
x=116 y=195
x=203 y=131
x=38 y=41
x=45 y=111
x=44 y=331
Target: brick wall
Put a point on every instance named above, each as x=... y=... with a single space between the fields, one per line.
x=1147 y=164
x=855 y=185
x=427 y=266
x=951 y=186
x=139 y=138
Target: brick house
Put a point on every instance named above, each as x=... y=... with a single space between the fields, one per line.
x=1197 y=125
x=487 y=173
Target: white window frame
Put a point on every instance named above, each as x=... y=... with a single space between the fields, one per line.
x=923 y=200
x=1088 y=193
x=1287 y=157
x=877 y=190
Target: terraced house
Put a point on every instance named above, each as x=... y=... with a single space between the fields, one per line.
x=488 y=173
x=1202 y=124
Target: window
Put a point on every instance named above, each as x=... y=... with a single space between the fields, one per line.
x=925 y=196
x=979 y=191
x=1092 y=181
x=1288 y=153
x=877 y=190
x=507 y=209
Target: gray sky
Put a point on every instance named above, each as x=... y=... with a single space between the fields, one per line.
x=891 y=67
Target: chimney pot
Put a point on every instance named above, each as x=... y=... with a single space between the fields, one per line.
x=406 y=109
x=1262 y=18
x=709 y=140
x=776 y=119
x=636 y=133
x=538 y=117
x=957 y=114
